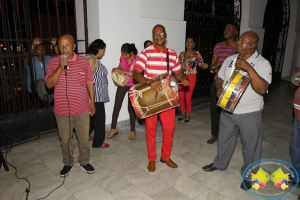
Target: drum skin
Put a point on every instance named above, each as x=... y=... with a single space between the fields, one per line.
x=146 y=101
x=233 y=91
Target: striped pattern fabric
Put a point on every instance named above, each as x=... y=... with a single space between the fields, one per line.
x=222 y=51
x=153 y=61
x=297 y=104
x=78 y=75
x=101 y=82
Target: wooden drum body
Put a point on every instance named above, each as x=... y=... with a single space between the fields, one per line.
x=146 y=101
x=233 y=91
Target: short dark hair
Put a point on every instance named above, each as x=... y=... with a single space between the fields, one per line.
x=128 y=48
x=191 y=38
x=147 y=42
x=39 y=45
x=233 y=23
x=159 y=25
x=95 y=46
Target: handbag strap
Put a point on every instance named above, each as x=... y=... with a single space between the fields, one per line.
x=132 y=65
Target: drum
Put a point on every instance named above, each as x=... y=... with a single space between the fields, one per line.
x=295 y=79
x=146 y=101
x=233 y=91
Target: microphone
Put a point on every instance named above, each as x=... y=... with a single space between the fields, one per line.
x=66 y=66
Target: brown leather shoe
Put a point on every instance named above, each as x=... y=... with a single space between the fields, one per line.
x=182 y=117
x=169 y=162
x=212 y=140
x=112 y=133
x=132 y=135
x=151 y=165
x=187 y=117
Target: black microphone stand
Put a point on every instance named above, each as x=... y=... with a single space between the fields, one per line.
x=2 y=161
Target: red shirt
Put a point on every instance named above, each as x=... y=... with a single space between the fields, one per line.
x=153 y=61
x=221 y=51
x=78 y=75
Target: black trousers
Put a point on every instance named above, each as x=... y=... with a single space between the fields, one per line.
x=214 y=111
x=97 y=123
x=121 y=92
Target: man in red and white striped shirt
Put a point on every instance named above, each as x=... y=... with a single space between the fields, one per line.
x=72 y=77
x=152 y=62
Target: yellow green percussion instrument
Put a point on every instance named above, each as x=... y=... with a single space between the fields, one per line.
x=233 y=91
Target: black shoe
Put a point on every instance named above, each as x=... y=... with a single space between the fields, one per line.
x=248 y=185
x=299 y=197
x=65 y=171
x=212 y=140
x=88 y=168
x=294 y=182
x=45 y=104
x=209 y=168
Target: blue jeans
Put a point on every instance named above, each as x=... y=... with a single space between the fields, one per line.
x=295 y=146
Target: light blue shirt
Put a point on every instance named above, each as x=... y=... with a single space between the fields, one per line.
x=39 y=69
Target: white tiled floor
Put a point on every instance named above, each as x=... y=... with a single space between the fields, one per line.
x=121 y=170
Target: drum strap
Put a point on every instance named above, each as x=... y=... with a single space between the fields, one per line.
x=167 y=57
x=168 y=61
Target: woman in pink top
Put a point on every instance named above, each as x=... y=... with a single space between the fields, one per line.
x=126 y=67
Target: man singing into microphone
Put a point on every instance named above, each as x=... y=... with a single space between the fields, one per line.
x=71 y=75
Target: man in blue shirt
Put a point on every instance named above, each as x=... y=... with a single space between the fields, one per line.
x=39 y=64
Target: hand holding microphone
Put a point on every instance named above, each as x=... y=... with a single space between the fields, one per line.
x=64 y=63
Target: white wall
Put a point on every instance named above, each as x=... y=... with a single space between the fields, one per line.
x=252 y=19
x=245 y=10
x=80 y=25
x=119 y=23
x=163 y=9
x=93 y=22
x=131 y=21
x=290 y=59
x=257 y=12
x=296 y=53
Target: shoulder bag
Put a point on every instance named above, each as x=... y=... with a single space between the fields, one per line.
x=120 y=79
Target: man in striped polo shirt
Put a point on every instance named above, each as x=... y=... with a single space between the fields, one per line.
x=152 y=62
x=71 y=75
x=222 y=50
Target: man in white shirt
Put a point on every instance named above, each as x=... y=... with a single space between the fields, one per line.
x=247 y=116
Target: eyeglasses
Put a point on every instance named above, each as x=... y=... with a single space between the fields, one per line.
x=158 y=34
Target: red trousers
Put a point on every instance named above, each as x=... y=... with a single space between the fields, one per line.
x=168 y=124
x=185 y=94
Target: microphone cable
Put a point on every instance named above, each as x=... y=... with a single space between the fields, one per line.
x=69 y=135
x=27 y=190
